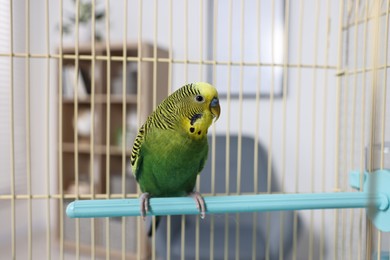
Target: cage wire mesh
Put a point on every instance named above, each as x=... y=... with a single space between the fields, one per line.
x=304 y=98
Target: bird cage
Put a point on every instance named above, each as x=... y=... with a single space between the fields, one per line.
x=298 y=163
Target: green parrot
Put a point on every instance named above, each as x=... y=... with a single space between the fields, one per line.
x=171 y=147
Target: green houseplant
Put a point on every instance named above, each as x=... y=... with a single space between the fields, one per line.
x=85 y=19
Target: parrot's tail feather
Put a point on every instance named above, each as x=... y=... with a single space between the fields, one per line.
x=150 y=231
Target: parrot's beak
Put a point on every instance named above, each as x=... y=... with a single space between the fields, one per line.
x=215 y=108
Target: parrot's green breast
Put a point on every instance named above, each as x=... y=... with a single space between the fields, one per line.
x=169 y=162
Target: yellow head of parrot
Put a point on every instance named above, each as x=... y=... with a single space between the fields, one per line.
x=208 y=98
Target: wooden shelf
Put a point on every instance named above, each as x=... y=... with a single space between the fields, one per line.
x=99 y=149
x=86 y=47
x=102 y=98
x=114 y=163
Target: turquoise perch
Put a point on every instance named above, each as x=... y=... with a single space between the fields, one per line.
x=375 y=197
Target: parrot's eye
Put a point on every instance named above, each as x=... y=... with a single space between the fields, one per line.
x=199 y=98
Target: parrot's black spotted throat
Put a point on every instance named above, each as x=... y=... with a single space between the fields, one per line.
x=192 y=130
x=194 y=118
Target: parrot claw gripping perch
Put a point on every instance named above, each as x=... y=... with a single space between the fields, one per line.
x=144 y=204
x=199 y=203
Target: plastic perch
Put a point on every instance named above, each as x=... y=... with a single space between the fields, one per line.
x=375 y=197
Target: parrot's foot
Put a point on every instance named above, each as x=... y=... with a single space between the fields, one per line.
x=199 y=203
x=144 y=204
